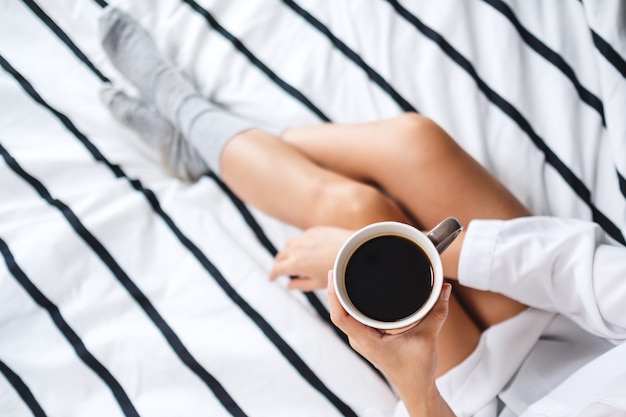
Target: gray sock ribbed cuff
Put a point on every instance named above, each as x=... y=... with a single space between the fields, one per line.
x=207 y=127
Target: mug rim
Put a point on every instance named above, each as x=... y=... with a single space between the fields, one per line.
x=367 y=233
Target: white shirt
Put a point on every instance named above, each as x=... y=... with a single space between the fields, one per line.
x=561 y=265
x=565 y=355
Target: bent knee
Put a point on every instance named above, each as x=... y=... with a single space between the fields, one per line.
x=412 y=128
x=412 y=122
x=418 y=140
x=352 y=204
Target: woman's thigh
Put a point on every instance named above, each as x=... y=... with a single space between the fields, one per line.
x=416 y=162
x=282 y=181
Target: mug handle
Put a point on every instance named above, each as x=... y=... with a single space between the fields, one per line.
x=444 y=233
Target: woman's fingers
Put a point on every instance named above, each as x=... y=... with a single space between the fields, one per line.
x=309 y=257
x=360 y=335
x=437 y=316
x=304 y=284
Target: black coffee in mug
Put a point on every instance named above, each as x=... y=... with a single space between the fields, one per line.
x=388 y=278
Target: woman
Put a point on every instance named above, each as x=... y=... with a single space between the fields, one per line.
x=330 y=180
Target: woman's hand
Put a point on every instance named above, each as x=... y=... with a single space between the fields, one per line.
x=409 y=359
x=309 y=256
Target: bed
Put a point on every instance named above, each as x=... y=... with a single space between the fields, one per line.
x=124 y=291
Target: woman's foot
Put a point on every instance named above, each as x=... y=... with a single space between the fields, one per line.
x=179 y=157
x=204 y=125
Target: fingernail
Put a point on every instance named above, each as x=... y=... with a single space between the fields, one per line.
x=447 y=290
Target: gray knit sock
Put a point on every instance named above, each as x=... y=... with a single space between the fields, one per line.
x=133 y=52
x=179 y=157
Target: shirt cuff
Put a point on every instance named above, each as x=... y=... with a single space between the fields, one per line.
x=477 y=253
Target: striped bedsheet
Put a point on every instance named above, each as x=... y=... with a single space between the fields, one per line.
x=124 y=291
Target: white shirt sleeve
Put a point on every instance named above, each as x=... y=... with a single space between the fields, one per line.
x=560 y=265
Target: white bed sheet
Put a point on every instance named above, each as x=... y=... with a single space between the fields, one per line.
x=126 y=292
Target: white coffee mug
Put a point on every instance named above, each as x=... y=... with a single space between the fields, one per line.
x=373 y=284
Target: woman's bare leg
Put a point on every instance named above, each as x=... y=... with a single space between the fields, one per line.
x=416 y=162
x=278 y=179
x=428 y=174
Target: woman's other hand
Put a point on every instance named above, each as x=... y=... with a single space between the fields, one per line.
x=308 y=257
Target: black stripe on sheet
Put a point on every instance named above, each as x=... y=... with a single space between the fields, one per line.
x=53 y=311
x=622 y=182
x=289 y=89
x=246 y=214
x=20 y=387
x=551 y=158
x=609 y=53
x=170 y=336
x=551 y=56
x=59 y=32
x=615 y=59
x=143 y=301
x=353 y=56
